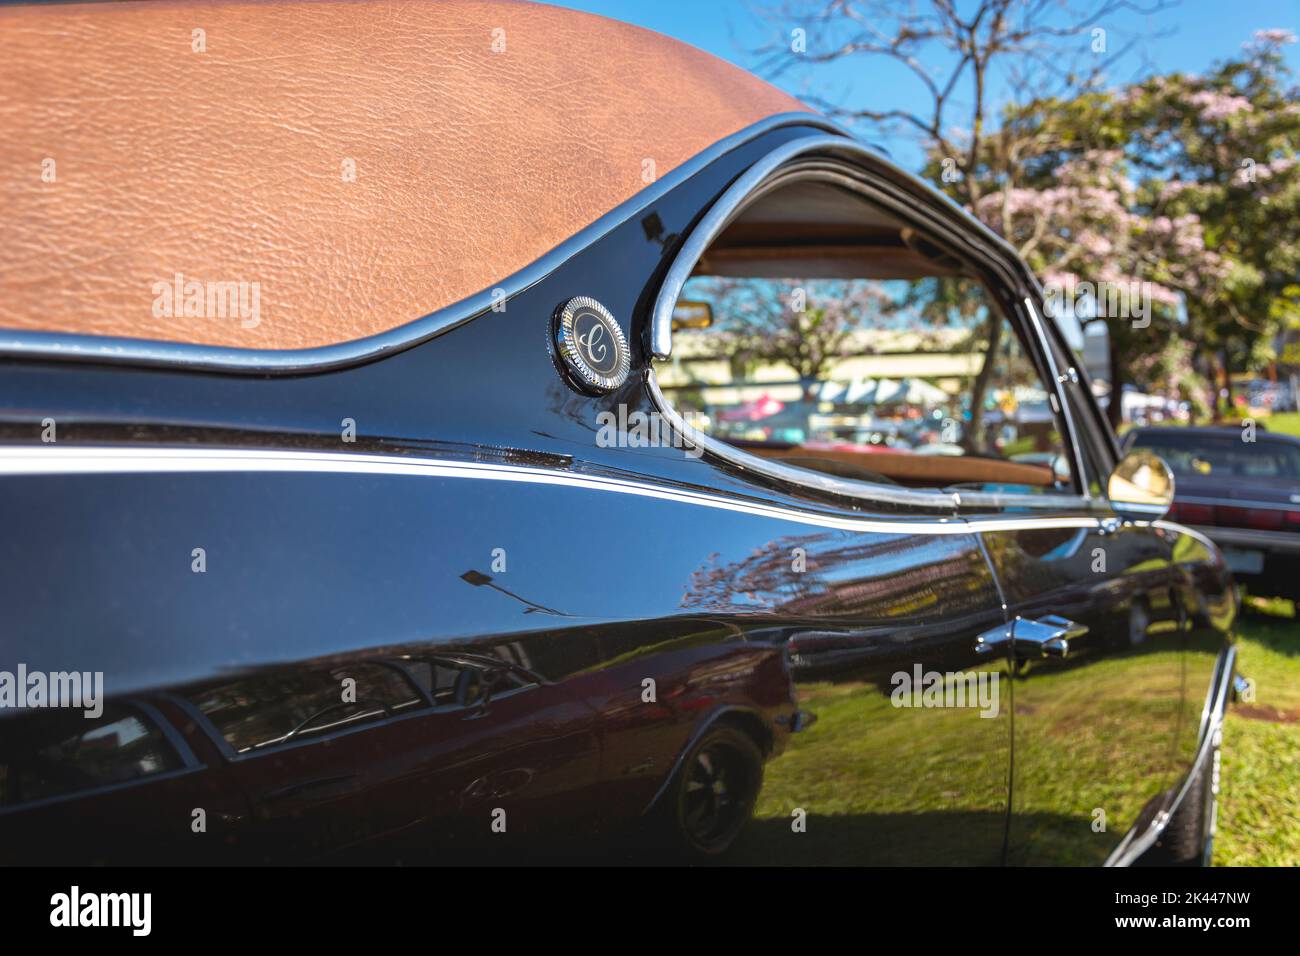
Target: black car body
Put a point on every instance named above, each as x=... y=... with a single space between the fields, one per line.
x=434 y=593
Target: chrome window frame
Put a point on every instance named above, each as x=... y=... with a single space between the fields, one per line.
x=852 y=165
x=190 y=764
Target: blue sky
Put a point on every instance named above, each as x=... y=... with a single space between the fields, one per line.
x=1187 y=38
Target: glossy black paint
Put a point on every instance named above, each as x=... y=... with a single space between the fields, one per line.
x=744 y=601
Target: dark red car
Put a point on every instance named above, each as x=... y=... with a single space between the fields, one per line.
x=1241 y=487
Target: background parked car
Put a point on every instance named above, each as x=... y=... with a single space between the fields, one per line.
x=1241 y=487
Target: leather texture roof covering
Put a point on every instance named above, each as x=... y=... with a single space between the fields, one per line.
x=228 y=165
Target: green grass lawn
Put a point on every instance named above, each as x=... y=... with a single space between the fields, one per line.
x=869 y=775
x=1288 y=423
x=1259 y=798
x=1285 y=423
x=1259 y=790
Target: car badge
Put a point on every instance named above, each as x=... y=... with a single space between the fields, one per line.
x=591 y=345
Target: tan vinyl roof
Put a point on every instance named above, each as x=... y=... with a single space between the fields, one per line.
x=364 y=163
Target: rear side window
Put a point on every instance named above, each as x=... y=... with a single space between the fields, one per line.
x=282 y=706
x=56 y=753
x=852 y=346
x=1222 y=456
x=462 y=682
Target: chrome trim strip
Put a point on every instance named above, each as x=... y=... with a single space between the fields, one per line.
x=1287 y=542
x=93 y=348
x=1242 y=503
x=95 y=791
x=859 y=490
x=981 y=523
x=1058 y=389
x=797 y=476
x=1148 y=512
x=19 y=461
x=763 y=174
x=51 y=460
x=1212 y=718
x=716 y=220
x=1191 y=532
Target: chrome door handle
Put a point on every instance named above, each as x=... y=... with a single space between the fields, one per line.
x=1046 y=637
x=1067 y=628
x=993 y=639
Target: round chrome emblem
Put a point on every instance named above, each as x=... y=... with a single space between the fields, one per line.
x=591 y=344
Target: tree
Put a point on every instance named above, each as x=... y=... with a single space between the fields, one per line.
x=1187 y=186
x=1084 y=225
x=1223 y=147
x=1120 y=191
x=803 y=324
x=1049 y=47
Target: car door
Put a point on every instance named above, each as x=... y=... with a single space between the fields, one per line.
x=318 y=750
x=893 y=767
x=1098 y=683
x=517 y=754
x=123 y=787
x=1096 y=633
x=883 y=595
x=421 y=757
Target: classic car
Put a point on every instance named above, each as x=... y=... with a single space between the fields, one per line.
x=412 y=450
x=1240 y=487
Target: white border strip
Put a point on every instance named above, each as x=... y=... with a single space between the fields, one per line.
x=17 y=461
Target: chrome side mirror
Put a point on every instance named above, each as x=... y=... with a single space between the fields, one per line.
x=1141 y=487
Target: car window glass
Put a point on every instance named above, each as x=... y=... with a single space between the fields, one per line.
x=918 y=381
x=55 y=752
x=1097 y=473
x=280 y=706
x=452 y=681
